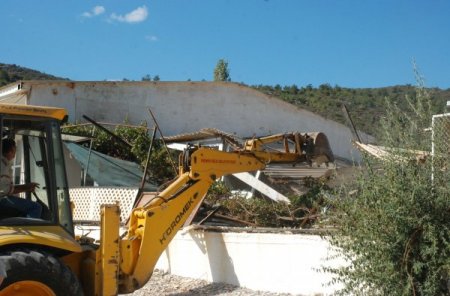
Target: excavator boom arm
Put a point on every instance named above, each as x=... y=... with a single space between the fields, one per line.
x=154 y=225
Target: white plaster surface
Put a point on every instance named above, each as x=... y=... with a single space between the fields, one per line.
x=275 y=262
x=288 y=263
x=182 y=107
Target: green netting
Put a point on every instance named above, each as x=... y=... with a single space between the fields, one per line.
x=108 y=171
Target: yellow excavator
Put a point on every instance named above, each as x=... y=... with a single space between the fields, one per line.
x=42 y=256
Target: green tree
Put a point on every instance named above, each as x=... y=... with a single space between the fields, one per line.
x=393 y=223
x=221 y=72
x=4 y=76
x=147 y=77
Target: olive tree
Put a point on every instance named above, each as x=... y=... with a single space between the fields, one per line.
x=393 y=223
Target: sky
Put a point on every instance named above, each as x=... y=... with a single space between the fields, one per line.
x=350 y=43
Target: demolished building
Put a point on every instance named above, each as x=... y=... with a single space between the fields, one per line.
x=184 y=107
x=181 y=107
x=183 y=110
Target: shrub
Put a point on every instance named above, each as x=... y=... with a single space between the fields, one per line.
x=393 y=223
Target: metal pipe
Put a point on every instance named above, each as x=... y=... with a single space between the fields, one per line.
x=164 y=142
x=108 y=132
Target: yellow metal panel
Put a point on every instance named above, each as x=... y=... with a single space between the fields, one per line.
x=211 y=164
x=52 y=236
x=128 y=255
x=109 y=248
x=16 y=109
x=83 y=265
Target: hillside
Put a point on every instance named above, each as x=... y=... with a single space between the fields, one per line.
x=366 y=105
x=11 y=73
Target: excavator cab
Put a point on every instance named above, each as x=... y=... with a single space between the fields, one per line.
x=31 y=249
x=39 y=158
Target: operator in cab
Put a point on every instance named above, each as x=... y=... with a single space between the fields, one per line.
x=29 y=208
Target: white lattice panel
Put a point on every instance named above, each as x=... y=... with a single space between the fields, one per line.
x=88 y=200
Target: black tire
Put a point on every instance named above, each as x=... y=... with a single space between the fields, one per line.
x=30 y=265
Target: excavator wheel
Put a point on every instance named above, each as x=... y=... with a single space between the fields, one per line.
x=37 y=273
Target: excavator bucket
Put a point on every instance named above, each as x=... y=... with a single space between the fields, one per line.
x=293 y=147
x=321 y=151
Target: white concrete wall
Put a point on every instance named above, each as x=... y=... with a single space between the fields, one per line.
x=288 y=263
x=275 y=262
x=182 y=107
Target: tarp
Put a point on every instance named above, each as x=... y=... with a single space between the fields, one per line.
x=108 y=171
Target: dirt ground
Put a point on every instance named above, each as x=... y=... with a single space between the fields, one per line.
x=162 y=284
